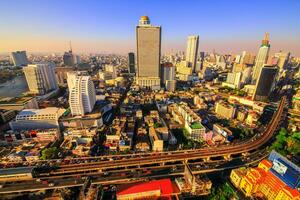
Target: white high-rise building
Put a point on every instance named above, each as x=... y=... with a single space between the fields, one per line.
x=192 y=51
x=148 y=39
x=19 y=58
x=262 y=57
x=82 y=95
x=41 y=78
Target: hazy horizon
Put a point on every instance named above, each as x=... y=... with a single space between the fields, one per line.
x=109 y=26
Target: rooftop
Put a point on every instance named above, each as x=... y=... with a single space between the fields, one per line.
x=196 y=125
x=164 y=185
x=44 y=111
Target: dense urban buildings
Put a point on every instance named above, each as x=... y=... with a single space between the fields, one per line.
x=155 y=119
x=148 y=38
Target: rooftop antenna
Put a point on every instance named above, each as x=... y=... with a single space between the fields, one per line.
x=70 y=46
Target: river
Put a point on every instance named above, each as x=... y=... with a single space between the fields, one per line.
x=14 y=87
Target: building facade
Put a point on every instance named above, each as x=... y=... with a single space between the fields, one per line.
x=19 y=58
x=82 y=95
x=31 y=119
x=41 y=78
x=131 y=63
x=192 y=51
x=264 y=83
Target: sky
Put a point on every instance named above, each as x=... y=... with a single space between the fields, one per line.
x=108 y=26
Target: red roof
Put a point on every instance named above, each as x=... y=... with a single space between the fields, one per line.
x=267 y=163
x=164 y=185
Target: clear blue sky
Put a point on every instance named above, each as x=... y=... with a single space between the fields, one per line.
x=109 y=26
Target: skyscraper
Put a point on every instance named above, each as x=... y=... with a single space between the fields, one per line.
x=131 y=63
x=82 y=95
x=148 y=39
x=68 y=57
x=264 y=83
x=40 y=78
x=192 y=51
x=19 y=58
x=262 y=57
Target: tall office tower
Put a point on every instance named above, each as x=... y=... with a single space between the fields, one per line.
x=19 y=58
x=192 y=51
x=148 y=39
x=262 y=57
x=131 y=63
x=41 y=78
x=82 y=95
x=283 y=59
x=264 y=83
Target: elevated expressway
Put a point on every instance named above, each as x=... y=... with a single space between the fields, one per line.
x=136 y=167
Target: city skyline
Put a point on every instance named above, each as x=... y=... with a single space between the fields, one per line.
x=100 y=27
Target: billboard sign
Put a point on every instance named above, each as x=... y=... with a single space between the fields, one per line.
x=279 y=167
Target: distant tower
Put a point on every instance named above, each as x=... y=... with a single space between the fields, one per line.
x=192 y=51
x=264 y=83
x=262 y=57
x=40 y=78
x=82 y=95
x=131 y=62
x=148 y=38
x=68 y=57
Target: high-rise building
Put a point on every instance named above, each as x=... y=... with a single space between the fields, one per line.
x=264 y=83
x=19 y=58
x=68 y=58
x=192 y=51
x=40 y=78
x=262 y=57
x=148 y=39
x=82 y=95
x=283 y=59
x=168 y=76
x=131 y=63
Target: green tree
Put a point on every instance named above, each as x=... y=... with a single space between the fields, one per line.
x=49 y=153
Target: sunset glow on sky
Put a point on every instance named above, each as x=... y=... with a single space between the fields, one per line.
x=109 y=26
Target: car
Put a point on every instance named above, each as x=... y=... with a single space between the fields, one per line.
x=51 y=184
x=38 y=180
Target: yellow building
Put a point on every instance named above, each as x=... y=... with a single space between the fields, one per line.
x=237 y=175
x=248 y=183
x=225 y=110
